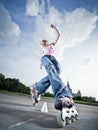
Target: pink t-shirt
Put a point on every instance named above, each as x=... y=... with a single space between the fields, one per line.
x=48 y=50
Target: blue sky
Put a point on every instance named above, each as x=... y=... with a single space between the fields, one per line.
x=23 y=23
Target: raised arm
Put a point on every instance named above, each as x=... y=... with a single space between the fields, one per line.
x=58 y=34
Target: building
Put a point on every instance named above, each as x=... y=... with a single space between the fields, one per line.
x=78 y=94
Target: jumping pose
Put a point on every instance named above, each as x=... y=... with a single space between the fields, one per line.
x=62 y=94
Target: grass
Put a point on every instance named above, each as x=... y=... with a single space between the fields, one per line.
x=86 y=103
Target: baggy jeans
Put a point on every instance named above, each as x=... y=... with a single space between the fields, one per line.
x=53 y=70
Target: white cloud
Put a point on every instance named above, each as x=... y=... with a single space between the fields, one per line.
x=9 y=30
x=86 y=61
x=32 y=7
x=74 y=27
x=20 y=62
x=80 y=23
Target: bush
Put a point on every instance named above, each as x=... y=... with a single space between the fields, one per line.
x=13 y=85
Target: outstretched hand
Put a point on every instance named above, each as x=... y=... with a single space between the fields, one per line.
x=53 y=26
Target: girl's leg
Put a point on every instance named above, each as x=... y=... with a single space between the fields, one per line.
x=62 y=93
x=59 y=89
x=39 y=88
x=56 y=64
x=42 y=85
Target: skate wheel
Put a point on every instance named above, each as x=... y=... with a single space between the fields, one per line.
x=68 y=121
x=73 y=119
x=77 y=117
x=60 y=121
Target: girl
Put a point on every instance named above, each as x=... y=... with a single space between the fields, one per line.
x=62 y=94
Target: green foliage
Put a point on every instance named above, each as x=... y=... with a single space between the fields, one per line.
x=12 y=85
x=88 y=99
x=77 y=98
x=47 y=94
x=87 y=103
x=2 y=81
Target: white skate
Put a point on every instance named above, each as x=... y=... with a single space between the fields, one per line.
x=63 y=117
x=74 y=114
x=34 y=95
x=66 y=116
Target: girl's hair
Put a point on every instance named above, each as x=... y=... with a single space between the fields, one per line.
x=43 y=42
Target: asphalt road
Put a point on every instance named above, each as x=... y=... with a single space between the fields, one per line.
x=17 y=113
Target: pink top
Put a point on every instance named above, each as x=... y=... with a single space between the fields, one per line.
x=48 y=50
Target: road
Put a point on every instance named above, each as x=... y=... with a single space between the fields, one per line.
x=17 y=113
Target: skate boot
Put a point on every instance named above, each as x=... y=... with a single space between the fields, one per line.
x=35 y=95
x=64 y=102
x=67 y=102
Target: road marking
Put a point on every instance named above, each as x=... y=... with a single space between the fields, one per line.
x=20 y=123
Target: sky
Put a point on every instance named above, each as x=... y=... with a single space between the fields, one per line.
x=24 y=23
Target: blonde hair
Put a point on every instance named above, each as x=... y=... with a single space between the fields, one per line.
x=44 y=42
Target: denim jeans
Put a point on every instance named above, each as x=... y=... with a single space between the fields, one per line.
x=53 y=70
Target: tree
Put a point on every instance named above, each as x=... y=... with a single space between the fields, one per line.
x=23 y=89
x=89 y=99
x=47 y=94
x=2 y=80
